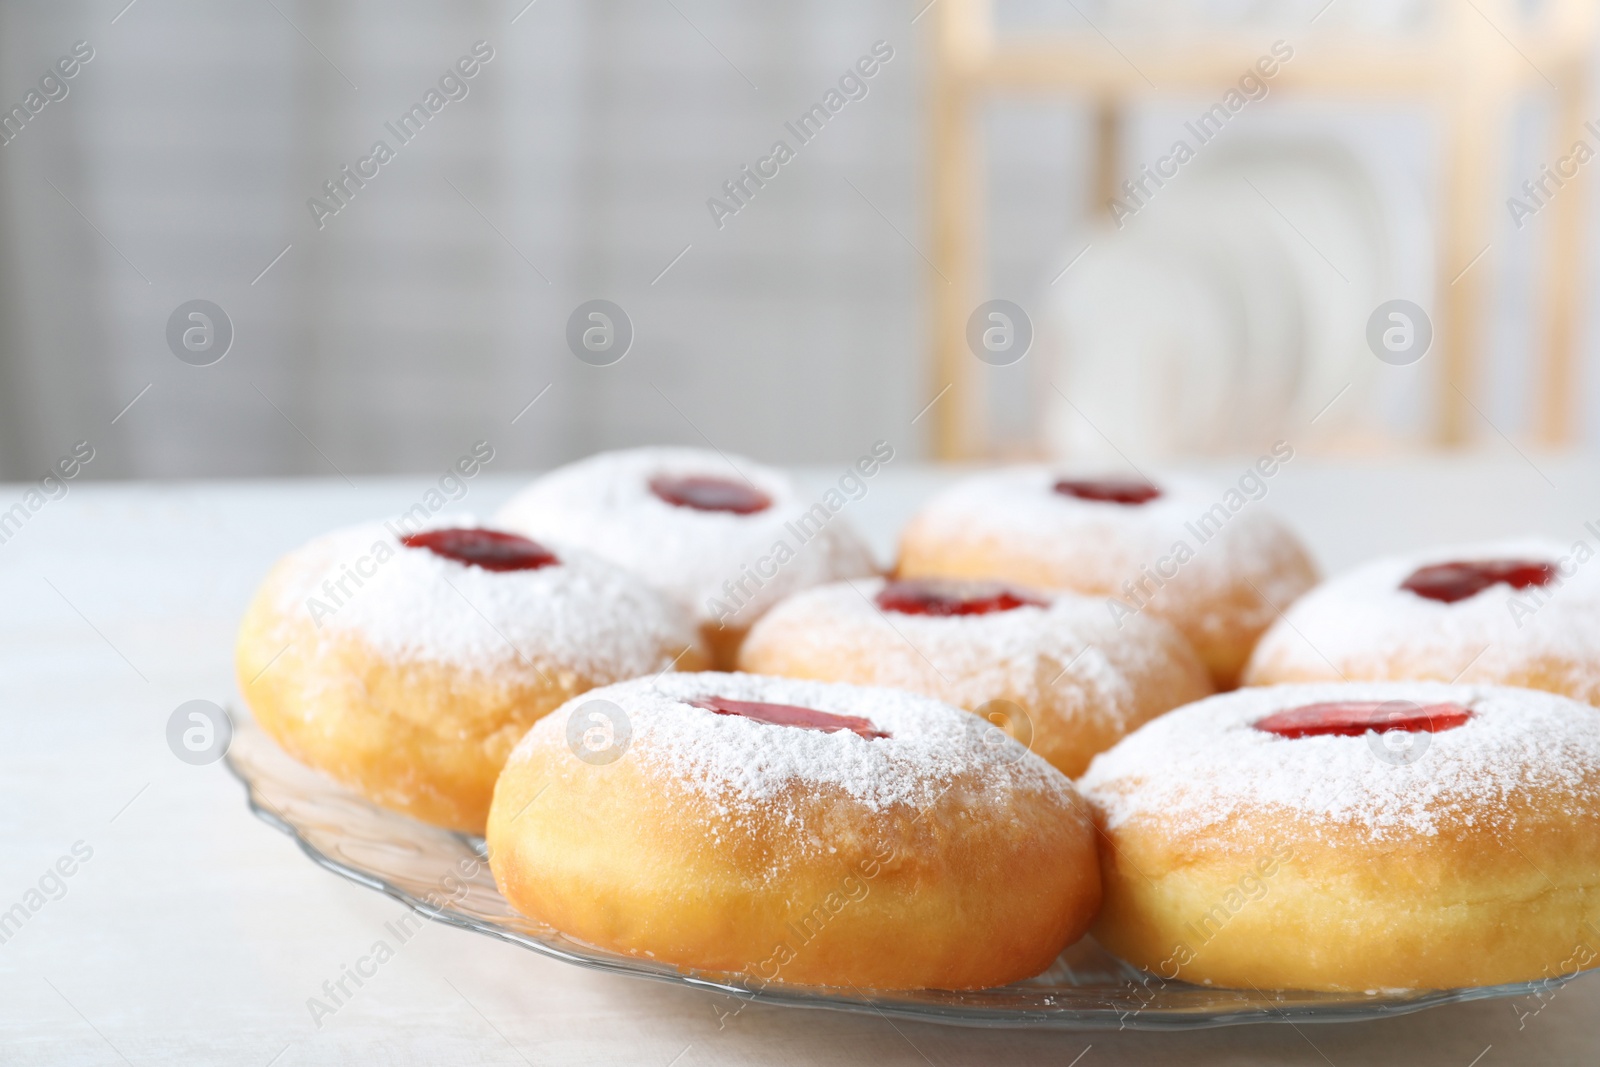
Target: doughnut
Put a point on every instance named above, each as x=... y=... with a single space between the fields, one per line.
x=408 y=663
x=1523 y=613
x=1051 y=669
x=1353 y=837
x=724 y=536
x=1211 y=562
x=780 y=830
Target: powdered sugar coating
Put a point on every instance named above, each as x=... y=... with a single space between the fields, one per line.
x=1029 y=653
x=604 y=504
x=739 y=764
x=1100 y=545
x=1210 y=560
x=581 y=614
x=1204 y=769
x=1361 y=624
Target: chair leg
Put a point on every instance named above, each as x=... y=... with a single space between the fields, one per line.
x=1474 y=128
x=1563 y=266
x=1107 y=153
x=958 y=418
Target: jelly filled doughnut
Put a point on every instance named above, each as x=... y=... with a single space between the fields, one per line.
x=725 y=536
x=1355 y=837
x=794 y=831
x=1523 y=613
x=1052 y=669
x=1209 y=561
x=407 y=665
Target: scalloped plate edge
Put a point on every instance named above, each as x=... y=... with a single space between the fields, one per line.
x=985 y=1018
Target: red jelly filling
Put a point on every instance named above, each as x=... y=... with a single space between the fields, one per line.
x=789 y=715
x=1352 y=718
x=489 y=549
x=1109 y=490
x=704 y=493
x=1451 y=582
x=932 y=597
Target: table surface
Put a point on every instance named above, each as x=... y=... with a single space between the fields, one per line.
x=195 y=933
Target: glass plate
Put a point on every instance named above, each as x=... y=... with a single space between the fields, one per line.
x=443 y=876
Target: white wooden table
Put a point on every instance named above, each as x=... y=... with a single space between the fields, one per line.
x=196 y=933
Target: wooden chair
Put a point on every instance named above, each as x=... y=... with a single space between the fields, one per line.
x=1465 y=66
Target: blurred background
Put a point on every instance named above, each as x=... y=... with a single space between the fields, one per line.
x=795 y=305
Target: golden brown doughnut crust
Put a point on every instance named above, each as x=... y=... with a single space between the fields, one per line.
x=984 y=886
x=1080 y=681
x=1334 y=914
x=425 y=739
x=420 y=736
x=1477 y=865
x=723 y=644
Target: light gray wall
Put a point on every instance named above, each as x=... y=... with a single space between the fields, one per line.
x=416 y=322
x=411 y=324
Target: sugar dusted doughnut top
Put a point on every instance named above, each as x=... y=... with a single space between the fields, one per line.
x=688 y=521
x=1207 y=769
x=739 y=764
x=574 y=612
x=983 y=653
x=1365 y=623
x=1111 y=528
